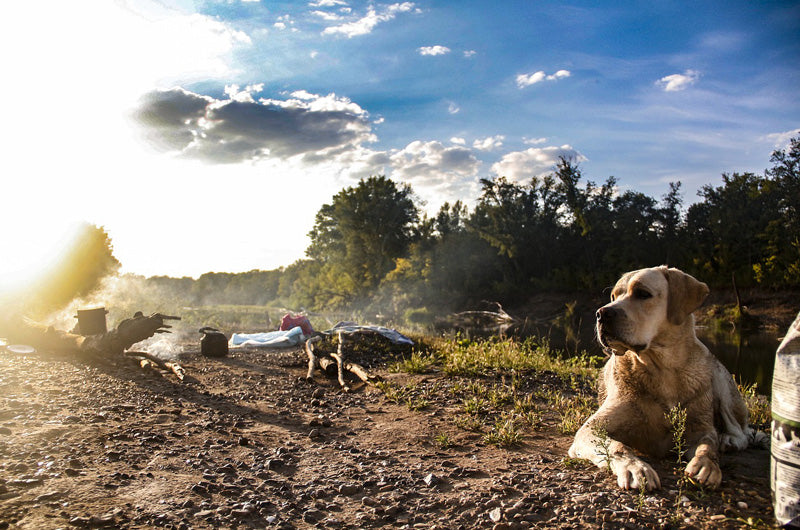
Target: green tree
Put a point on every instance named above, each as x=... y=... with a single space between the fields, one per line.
x=781 y=263
x=360 y=234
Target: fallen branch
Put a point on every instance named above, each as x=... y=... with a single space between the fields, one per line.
x=148 y=359
x=326 y=362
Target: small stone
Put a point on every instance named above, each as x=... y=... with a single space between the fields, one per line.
x=49 y=496
x=495 y=515
x=275 y=463
x=431 y=480
x=348 y=489
x=5 y=431
x=312 y=515
x=315 y=434
x=741 y=505
x=369 y=501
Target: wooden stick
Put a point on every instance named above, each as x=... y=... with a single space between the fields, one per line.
x=152 y=360
x=356 y=369
x=313 y=360
x=340 y=357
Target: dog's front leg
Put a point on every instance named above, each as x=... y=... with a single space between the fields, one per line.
x=594 y=442
x=704 y=466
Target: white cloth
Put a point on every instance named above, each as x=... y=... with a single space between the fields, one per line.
x=270 y=339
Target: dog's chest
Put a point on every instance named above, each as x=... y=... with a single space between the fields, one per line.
x=649 y=383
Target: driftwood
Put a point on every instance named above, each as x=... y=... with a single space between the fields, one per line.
x=483 y=318
x=150 y=360
x=326 y=362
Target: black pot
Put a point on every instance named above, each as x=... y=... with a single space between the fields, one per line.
x=214 y=343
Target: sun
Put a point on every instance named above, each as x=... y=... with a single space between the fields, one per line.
x=31 y=249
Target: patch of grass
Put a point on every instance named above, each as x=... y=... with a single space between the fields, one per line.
x=504 y=433
x=574 y=412
x=416 y=363
x=443 y=441
x=417 y=404
x=575 y=463
x=392 y=392
x=758 y=407
x=468 y=423
x=475 y=406
x=468 y=358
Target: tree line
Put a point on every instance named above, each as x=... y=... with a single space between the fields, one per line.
x=372 y=247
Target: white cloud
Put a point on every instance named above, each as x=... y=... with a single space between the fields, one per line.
x=525 y=80
x=327 y=3
x=452 y=108
x=458 y=141
x=490 y=143
x=433 y=50
x=677 y=82
x=327 y=16
x=519 y=166
x=469 y=53
x=534 y=141
x=367 y=23
x=241 y=129
x=781 y=140
x=432 y=164
x=283 y=22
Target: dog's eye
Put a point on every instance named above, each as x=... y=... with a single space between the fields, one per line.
x=641 y=294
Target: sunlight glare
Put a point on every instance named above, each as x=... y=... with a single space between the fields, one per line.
x=29 y=250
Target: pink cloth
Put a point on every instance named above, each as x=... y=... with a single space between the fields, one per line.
x=290 y=321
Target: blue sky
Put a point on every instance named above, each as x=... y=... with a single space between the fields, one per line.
x=173 y=122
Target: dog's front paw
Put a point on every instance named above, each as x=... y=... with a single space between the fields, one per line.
x=633 y=473
x=705 y=471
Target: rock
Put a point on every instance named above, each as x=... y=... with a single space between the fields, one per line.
x=741 y=505
x=315 y=434
x=348 y=489
x=49 y=496
x=495 y=515
x=431 y=480
x=312 y=515
x=369 y=501
x=275 y=463
x=5 y=431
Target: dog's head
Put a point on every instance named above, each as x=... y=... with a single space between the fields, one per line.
x=644 y=304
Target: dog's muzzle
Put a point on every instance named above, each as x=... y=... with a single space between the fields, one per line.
x=605 y=330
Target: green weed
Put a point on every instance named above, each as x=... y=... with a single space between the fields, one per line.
x=504 y=433
x=416 y=363
x=443 y=441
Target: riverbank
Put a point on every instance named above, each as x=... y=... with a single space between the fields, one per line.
x=460 y=434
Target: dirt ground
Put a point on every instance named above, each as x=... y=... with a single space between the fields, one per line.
x=246 y=442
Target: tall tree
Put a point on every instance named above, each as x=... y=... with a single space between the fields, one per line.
x=362 y=231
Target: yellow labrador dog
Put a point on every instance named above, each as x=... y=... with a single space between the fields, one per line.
x=657 y=363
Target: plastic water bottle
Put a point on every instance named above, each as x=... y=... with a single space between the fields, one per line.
x=785 y=451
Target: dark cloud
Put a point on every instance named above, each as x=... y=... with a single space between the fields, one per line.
x=243 y=129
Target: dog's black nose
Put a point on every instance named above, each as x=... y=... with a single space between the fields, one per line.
x=605 y=314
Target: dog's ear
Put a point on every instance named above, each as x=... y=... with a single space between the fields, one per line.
x=685 y=295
